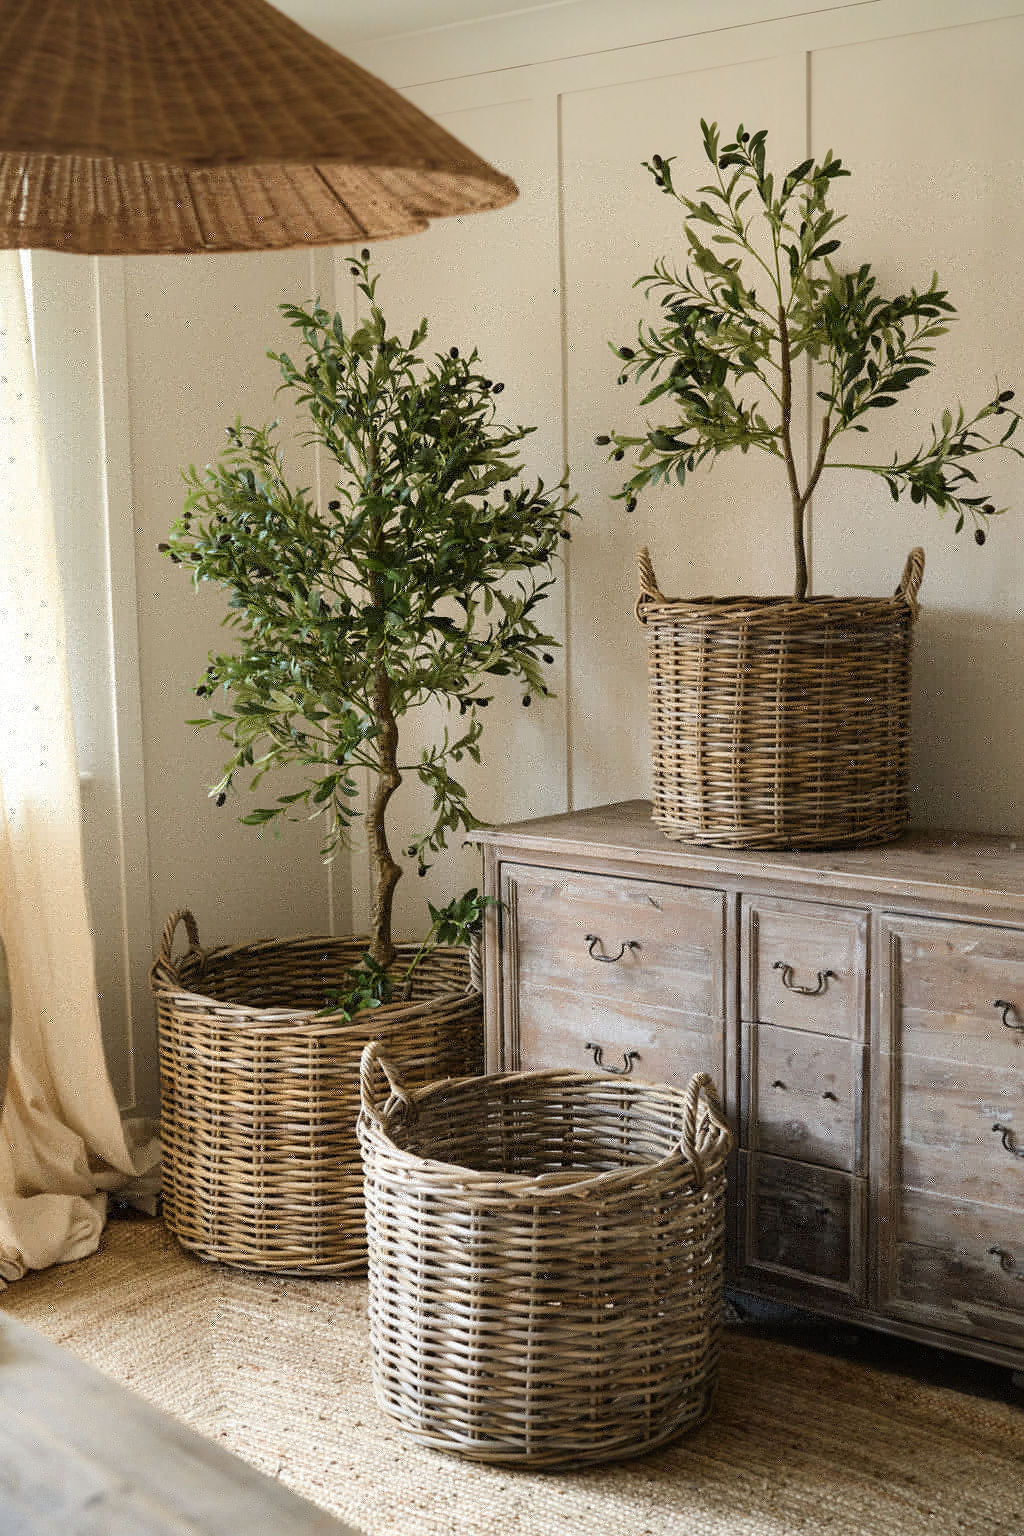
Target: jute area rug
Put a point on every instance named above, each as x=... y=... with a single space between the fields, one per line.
x=278 y=1371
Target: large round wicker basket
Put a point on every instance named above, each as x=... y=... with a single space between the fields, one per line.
x=259 y=1096
x=778 y=723
x=546 y=1261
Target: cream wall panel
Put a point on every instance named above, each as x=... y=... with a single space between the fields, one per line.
x=492 y=281
x=717 y=534
x=198 y=330
x=932 y=127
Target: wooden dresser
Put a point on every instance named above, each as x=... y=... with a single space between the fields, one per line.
x=862 y=1012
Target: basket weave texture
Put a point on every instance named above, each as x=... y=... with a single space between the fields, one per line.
x=778 y=723
x=546 y=1261
x=259 y=1097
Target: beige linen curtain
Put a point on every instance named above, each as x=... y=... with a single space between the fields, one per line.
x=62 y=1143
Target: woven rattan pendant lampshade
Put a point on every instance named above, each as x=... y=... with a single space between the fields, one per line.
x=133 y=126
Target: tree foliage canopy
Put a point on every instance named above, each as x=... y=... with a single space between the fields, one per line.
x=760 y=290
x=419 y=580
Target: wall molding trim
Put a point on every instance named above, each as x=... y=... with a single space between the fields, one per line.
x=597 y=41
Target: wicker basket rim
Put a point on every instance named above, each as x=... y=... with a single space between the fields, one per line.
x=268 y=945
x=322 y=1026
x=713 y=1141
x=250 y=1016
x=780 y=612
x=561 y=1184
x=241 y=1016
x=776 y=612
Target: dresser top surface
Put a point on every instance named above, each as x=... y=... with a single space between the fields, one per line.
x=964 y=867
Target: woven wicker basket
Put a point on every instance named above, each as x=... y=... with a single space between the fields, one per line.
x=259 y=1098
x=777 y=723
x=546 y=1261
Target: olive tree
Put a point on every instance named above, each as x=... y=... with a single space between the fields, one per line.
x=419 y=580
x=762 y=289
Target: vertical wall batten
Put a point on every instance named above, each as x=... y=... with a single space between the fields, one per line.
x=563 y=333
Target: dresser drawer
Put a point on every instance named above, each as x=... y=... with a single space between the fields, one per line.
x=802 y=1226
x=802 y=1096
x=956 y=1068
x=958 y=1265
x=957 y=991
x=804 y=965
x=627 y=974
x=962 y=1131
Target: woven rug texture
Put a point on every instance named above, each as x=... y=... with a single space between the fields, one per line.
x=278 y=1371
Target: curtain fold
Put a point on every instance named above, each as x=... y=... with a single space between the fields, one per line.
x=62 y=1142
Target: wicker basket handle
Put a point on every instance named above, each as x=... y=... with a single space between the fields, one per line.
x=702 y=1108
x=183 y=915
x=910 y=581
x=649 y=590
x=372 y=1105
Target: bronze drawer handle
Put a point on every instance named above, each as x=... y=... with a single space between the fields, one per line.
x=1009 y=1139
x=628 y=1058
x=828 y=1094
x=592 y=941
x=1007 y=1008
x=792 y=986
x=1007 y=1262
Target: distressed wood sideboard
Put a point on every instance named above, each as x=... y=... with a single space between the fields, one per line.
x=862 y=1012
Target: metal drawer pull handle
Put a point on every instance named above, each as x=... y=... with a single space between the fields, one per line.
x=1006 y=1259
x=594 y=939
x=791 y=985
x=1009 y=1140
x=628 y=1058
x=828 y=1094
x=1007 y=1008
x=778 y=1083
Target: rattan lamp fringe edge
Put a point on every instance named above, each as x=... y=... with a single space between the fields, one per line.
x=139 y=127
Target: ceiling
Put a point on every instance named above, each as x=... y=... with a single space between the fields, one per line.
x=360 y=21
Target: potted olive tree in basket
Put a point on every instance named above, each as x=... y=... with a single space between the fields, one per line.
x=417 y=583
x=779 y=722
